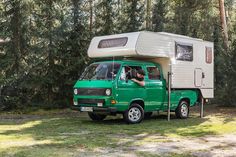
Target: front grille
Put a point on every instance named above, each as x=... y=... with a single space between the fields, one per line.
x=90 y=101
x=91 y=91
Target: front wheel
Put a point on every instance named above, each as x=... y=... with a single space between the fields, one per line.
x=96 y=117
x=134 y=114
x=182 y=111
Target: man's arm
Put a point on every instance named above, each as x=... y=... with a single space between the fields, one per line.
x=141 y=83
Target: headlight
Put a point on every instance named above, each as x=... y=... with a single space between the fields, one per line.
x=108 y=92
x=75 y=91
x=75 y=103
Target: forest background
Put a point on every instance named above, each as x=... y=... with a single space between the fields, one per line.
x=43 y=43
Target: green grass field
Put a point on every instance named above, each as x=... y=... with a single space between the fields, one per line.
x=70 y=133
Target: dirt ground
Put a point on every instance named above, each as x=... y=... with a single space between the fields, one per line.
x=223 y=145
x=208 y=146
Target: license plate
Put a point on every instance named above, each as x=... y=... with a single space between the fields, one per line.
x=99 y=104
x=87 y=109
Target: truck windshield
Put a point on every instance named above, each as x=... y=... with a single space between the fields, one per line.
x=100 y=71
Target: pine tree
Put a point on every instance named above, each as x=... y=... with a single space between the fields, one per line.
x=13 y=63
x=48 y=40
x=71 y=58
x=159 y=13
x=131 y=16
x=104 y=17
x=194 y=18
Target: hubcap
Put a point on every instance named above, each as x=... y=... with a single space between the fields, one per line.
x=184 y=110
x=134 y=114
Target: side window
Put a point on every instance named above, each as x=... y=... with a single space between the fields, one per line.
x=184 y=51
x=208 y=51
x=153 y=73
x=129 y=72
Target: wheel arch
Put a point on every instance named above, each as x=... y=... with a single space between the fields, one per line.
x=185 y=99
x=138 y=101
x=191 y=96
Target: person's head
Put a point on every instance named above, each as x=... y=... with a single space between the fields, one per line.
x=140 y=73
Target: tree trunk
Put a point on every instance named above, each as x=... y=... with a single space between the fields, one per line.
x=50 y=47
x=148 y=15
x=75 y=13
x=15 y=26
x=91 y=17
x=223 y=22
x=119 y=6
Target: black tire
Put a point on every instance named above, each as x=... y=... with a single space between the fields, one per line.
x=147 y=114
x=134 y=114
x=96 y=117
x=182 y=111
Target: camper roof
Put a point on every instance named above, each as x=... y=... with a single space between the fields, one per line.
x=179 y=36
x=138 y=44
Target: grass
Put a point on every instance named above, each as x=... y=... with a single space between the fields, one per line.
x=69 y=133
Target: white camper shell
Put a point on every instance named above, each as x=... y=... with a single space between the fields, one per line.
x=190 y=60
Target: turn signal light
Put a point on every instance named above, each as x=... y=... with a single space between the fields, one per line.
x=113 y=102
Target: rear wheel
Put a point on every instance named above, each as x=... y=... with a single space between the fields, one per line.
x=96 y=117
x=134 y=114
x=182 y=111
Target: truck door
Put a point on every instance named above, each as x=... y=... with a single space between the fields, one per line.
x=154 y=88
x=128 y=90
x=198 y=77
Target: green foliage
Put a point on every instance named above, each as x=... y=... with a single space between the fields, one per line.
x=228 y=90
x=48 y=40
x=50 y=56
x=131 y=16
x=159 y=13
x=194 y=18
x=105 y=16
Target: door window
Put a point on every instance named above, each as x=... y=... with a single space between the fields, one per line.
x=153 y=73
x=129 y=72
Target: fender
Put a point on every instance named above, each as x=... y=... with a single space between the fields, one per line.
x=138 y=100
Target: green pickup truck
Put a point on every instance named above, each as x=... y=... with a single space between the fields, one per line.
x=105 y=88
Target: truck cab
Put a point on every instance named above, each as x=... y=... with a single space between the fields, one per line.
x=105 y=88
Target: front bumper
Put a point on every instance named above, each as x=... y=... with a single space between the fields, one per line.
x=106 y=110
x=96 y=104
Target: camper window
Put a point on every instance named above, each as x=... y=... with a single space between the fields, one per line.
x=208 y=55
x=153 y=73
x=114 y=42
x=184 y=52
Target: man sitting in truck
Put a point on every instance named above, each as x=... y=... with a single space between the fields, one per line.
x=139 y=79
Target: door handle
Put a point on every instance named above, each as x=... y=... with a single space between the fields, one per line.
x=203 y=75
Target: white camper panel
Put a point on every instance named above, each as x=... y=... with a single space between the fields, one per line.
x=194 y=71
x=127 y=50
x=151 y=44
x=198 y=73
x=146 y=44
